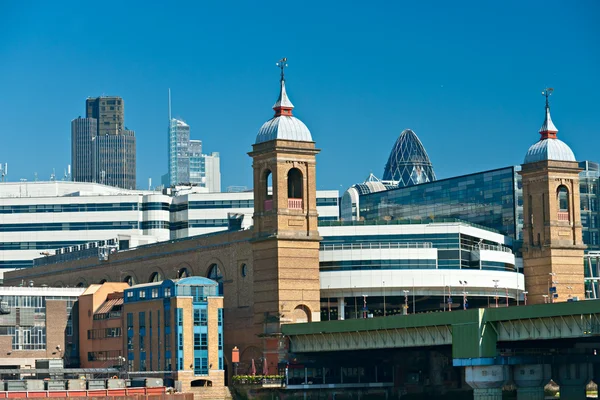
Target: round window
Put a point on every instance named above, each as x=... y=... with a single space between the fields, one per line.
x=244 y=270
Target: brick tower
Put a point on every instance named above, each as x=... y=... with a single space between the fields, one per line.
x=552 y=243
x=286 y=238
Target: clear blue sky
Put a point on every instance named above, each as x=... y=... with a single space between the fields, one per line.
x=465 y=76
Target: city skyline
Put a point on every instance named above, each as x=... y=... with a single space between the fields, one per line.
x=483 y=104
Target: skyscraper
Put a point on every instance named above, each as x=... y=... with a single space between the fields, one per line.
x=102 y=149
x=83 y=130
x=187 y=164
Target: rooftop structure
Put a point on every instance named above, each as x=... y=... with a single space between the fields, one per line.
x=283 y=125
x=408 y=163
x=549 y=147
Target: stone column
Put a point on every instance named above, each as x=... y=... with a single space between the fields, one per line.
x=530 y=380
x=341 y=307
x=572 y=379
x=487 y=381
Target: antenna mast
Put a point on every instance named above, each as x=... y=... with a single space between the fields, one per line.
x=169 y=105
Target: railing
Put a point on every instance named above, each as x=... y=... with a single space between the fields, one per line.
x=268 y=205
x=491 y=247
x=295 y=204
x=376 y=246
x=563 y=216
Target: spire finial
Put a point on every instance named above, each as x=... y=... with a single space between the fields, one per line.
x=283 y=106
x=282 y=64
x=548 y=130
x=547 y=92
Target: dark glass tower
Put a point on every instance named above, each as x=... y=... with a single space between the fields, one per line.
x=408 y=163
x=102 y=149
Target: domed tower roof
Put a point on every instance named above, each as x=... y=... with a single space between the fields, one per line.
x=283 y=125
x=549 y=147
x=408 y=163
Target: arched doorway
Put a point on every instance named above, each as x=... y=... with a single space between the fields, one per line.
x=301 y=314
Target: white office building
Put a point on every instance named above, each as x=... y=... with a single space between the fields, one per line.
x=36 y=218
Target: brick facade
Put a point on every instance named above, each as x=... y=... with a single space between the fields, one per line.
x=552 y=244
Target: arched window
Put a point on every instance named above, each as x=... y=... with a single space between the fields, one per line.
x=294 y=186
x=130 y=280
x=268 y=190
x=214 y=273
x=563 y=203
x=155 y=277
x=183 y=273
x=102 y=281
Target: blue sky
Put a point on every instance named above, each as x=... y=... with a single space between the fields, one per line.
x=465 y=76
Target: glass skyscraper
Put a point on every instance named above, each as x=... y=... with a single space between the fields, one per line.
x=187 y=164
x=408 y=163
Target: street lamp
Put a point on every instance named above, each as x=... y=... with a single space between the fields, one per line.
x=551 y=279
x=464 y=285
x=506 y=297
x=525 y=297
x=496 y=291
x=589 y=294
x=328 y=305
x=383 y=283
x=569 y=288
x=365 y=311
x=405 y=302
x=545 y=298
x=449 y=298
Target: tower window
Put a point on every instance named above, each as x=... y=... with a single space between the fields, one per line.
x=268 y=206
x=294 y=182
x=563 y=203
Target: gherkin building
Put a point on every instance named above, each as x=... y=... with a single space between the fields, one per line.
x=408 y=163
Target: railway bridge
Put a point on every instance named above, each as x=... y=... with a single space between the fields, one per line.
x=484 y=348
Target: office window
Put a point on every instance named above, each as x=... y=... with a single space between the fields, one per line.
x=142 y=319
x=203 y=341
x=196 y=317
x=220 y=341
x=203 y=317
x=180 y=316
x=196 y=341
x=181 y=341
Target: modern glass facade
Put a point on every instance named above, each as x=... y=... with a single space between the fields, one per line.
x=491 y=198
x=408 y=163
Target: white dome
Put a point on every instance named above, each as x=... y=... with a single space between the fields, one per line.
x=283 y=127
x=549 y=149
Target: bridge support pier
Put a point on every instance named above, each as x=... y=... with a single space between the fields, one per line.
x=487 y=381
x=530 y=380
x=572 y=379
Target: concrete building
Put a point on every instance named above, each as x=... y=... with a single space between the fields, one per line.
x=101 y=325
x=103 y=150
x=553 y=248
x=177 y=326
x=38 y=323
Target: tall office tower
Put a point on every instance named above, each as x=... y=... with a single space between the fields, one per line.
x=102 y=149
x=109 y=111
x=187 y=164
x=196 y=162
x=212 y=172
x=83 y=130
x=113 y=159
x=179 y=159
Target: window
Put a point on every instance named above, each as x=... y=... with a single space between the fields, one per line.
x=168 y=292
x=220 y=341
x=196 y=317
x=220 y=317
x=244 y=270
x=142 y=294
x=180 y=341
x=180 y=316
x=196 y=341
x=294 y=181
x=154 y=293
x=204 y=317
x=203 y=341
x=142 y=319
x=563 y=199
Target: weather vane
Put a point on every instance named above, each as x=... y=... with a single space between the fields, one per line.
x=282 y=64
x=547 y=92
